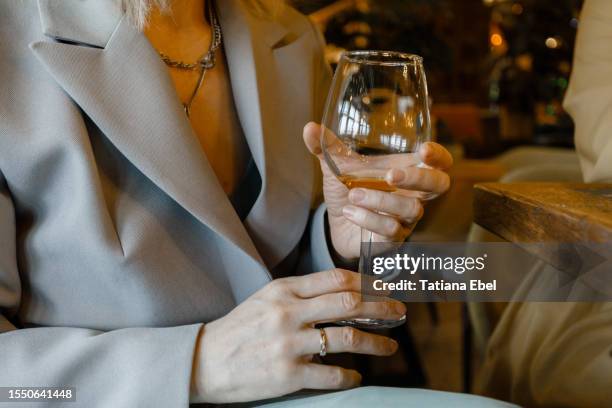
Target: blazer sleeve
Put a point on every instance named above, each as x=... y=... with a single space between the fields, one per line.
x=122 y=368
x=589 y=96
x=320 y=245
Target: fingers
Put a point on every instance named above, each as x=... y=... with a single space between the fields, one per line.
x=347 y=340
x=321 y=377
x=436 y=156
x=348 y=305
x=312 y=138
x=430 y=180
x=380 y=224
x=407 y=208
x=316 y=284
x=315 y=135
x=419 y=178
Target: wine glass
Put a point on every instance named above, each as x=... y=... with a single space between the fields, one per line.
x=376 y=118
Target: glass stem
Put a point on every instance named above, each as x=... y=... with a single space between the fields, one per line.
x=365 y=252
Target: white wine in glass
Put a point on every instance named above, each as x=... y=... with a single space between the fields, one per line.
x=376 y=118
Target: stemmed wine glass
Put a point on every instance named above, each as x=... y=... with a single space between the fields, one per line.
x=376 y=117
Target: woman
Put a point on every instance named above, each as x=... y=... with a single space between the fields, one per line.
x=130 y=215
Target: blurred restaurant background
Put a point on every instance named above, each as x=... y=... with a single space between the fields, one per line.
x=497 y=69
x=497 y=72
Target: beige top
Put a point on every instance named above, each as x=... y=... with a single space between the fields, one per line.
x=560 y=354
x=589 y=97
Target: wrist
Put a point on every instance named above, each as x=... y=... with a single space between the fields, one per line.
x=332 y=239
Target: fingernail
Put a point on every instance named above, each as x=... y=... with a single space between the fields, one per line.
x=349 y=211
x=356 y=195
x=393 y=345
x=400 y=308
x=426 y=151
x=358 y=379
x=396 y=176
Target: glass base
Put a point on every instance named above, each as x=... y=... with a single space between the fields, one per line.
x=373 y=324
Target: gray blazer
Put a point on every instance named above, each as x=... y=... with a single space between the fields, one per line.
x=116 y=239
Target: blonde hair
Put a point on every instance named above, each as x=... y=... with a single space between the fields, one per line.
x=138 y=10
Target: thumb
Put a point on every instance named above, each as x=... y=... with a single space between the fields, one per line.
x=312 y=138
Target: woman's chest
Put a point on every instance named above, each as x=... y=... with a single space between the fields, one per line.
x=214 y=121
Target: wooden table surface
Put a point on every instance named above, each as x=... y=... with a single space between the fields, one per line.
x=545 y=212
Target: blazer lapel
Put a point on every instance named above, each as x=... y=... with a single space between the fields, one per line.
x=272 y=84
x=125 y=89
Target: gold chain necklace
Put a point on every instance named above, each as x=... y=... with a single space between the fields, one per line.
x=205 y=63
